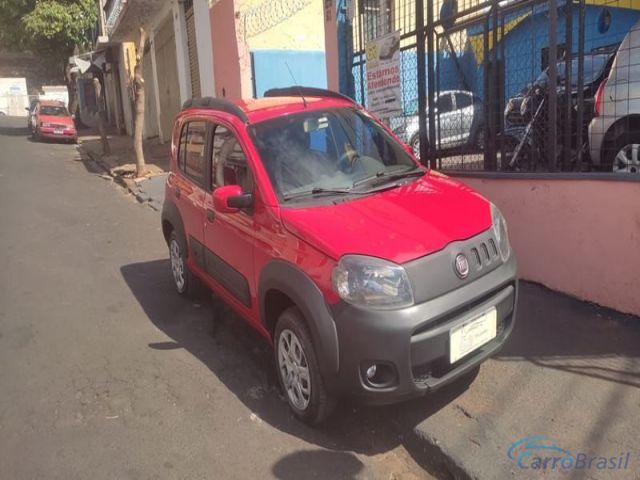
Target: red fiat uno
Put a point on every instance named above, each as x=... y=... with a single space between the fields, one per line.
x=371 y=275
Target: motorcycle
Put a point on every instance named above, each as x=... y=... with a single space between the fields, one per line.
x=525 y=140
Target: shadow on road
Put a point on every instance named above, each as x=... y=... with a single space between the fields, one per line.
x=14 y=131
x=317 y=464
x=559 y=332
x=243 y=361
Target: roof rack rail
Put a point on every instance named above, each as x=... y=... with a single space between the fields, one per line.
x=297 y=90
x=218 y=104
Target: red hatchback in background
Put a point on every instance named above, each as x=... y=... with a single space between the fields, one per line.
x=53 y=121
x=370 y=275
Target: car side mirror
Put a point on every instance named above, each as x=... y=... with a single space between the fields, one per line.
x=27 y=109
x=230 y=199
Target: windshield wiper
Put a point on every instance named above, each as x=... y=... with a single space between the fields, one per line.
x=319 y=191
x=384 y=176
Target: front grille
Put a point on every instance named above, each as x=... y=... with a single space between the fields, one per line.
x=57 y=125
x=484 y=254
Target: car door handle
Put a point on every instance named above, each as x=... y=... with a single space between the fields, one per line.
x=211 y=215
x=177 y=191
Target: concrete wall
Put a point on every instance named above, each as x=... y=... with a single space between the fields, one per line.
x=226 y=67
x=581 y=237
x=270 y=69
x=304 y=30
x=243 y=26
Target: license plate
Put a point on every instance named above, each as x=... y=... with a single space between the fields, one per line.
x=58 y=131
x=465 y=338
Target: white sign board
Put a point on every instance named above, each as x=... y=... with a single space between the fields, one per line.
x=383 y=75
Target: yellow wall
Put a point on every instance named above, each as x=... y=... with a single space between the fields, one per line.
x=304 y=30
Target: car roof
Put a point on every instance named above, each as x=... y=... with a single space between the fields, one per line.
x=262 y=109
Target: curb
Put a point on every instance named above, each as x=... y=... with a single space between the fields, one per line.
x=141 y=197
x=432 y=456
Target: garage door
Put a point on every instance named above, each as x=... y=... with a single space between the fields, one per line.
x=168 y=86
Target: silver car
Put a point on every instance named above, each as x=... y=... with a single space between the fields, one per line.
x=459 y=122
x=614 y=132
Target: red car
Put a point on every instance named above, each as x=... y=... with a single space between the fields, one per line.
x=51 y=120
x=370 y=275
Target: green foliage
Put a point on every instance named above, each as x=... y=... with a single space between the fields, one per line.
x=49 y=28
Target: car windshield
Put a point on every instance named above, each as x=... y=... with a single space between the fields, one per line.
x=53 y=111
x=321 y=150
x=593 y=66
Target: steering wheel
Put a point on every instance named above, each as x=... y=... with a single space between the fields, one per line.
x=348 y=161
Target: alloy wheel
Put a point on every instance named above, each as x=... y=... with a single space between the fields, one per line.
x=627 y=159
x=294 y=370
x=177 y=265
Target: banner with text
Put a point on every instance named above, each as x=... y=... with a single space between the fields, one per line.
x=383 y=75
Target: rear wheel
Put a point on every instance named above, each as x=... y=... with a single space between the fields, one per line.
x=624 y=157
x=524 y=161
x=298 y=371
x=185 y=282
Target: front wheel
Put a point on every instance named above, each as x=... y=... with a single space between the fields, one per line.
x=298 y=371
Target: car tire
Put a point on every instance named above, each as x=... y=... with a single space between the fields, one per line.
x=524 y=162
x=621 y=148
x=298 y=371
x=184 y=281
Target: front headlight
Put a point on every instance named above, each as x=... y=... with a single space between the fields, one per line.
x=45 y=124
x=499 y=226
x=372 y=282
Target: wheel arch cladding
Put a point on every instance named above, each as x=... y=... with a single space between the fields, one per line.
x=171 y=220
x=625 y=124
x=287 y=285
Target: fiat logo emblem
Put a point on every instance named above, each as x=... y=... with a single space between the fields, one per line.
x=461 y=265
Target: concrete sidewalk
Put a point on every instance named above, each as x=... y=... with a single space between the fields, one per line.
x=120 y=164
x=569 y=373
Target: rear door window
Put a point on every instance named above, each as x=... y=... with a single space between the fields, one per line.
x=444 y=103
x=191 y=154
x=462 y=101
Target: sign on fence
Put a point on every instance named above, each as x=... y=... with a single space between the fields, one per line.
x=383 y=75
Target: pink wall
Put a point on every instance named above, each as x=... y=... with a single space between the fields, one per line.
x=226 y=66
x=581 y=237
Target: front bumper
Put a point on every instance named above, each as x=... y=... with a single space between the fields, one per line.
x=413 y=343
x=65 y=134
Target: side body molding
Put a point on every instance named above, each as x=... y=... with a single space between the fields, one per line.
x=298 y=286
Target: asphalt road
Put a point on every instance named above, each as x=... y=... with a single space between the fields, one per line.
x=106 y=373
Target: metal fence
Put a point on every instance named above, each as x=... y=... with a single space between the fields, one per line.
x=511 y=85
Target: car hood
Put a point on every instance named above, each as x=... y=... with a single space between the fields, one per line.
x=68 y=121
x=400 y=224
